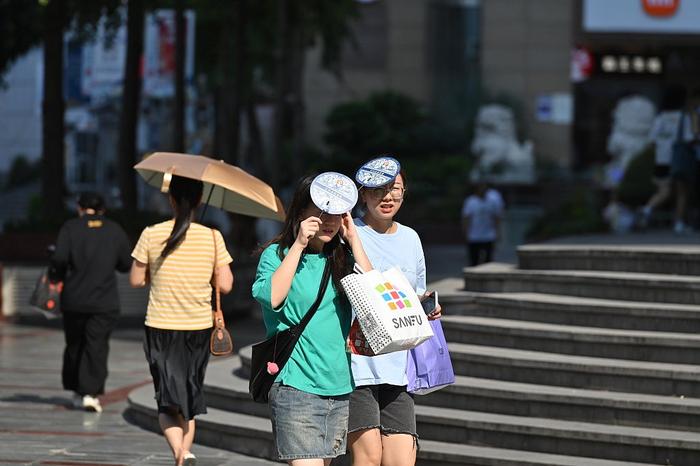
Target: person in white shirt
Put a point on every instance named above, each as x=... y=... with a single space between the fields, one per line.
x=481 y=219
x=665 y=131
x=382 y=421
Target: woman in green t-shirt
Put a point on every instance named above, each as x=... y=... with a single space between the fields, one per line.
x=309 y=399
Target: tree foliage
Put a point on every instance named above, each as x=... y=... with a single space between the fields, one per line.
x=20 y=30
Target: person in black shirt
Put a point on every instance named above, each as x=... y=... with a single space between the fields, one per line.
x=88 y=251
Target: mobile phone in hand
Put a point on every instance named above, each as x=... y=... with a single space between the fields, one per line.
x=430 y=302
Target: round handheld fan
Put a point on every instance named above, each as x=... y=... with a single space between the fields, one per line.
x=333 y=193
x=378 y=172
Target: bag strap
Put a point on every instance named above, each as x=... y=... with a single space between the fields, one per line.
x=314 y=307
x=218 y=314
x=679 y=133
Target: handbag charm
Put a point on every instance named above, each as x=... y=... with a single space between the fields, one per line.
x=272 y=367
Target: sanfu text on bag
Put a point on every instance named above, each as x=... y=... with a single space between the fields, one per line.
x=388 y=310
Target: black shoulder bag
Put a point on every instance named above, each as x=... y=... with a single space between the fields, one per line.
x=270 y=356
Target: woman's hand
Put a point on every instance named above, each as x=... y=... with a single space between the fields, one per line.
x=307 y=230
x=348 y=231
x=436 y=314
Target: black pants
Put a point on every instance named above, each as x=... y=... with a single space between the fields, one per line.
x=480 y=252
x=87 y=347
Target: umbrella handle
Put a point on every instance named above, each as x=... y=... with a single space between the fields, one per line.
x=206 y=204
x=167 y=178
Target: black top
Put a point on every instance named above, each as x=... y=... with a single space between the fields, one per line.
x=88 y=251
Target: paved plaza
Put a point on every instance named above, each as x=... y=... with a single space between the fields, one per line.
x=38 y=427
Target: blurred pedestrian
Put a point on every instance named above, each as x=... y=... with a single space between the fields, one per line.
x=669 y=127
x=482 y=212
x=309 y=398
x=382 y=422
x=88 y=251
x=181 y=260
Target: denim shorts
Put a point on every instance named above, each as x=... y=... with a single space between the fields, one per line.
x=389 y=408
x=306 y=425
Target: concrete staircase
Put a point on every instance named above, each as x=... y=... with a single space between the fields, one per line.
x=568 y=360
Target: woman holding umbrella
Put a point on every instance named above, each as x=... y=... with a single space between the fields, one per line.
x=182 y=260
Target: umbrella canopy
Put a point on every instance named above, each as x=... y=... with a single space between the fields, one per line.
x=225 y=186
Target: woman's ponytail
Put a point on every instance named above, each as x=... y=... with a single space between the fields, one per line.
x=186 y=194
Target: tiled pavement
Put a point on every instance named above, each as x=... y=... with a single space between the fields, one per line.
x=37 y=426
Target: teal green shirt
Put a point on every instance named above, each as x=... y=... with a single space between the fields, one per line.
x=320 y=363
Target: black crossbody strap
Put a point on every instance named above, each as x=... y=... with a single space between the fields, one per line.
x=298 y=328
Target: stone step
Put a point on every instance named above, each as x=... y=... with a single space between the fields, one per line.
x=533 y=385
x=573 y=310
x=538 y=367
x=575 y=371
x=660 y=288
x=252 y=434
x=604 y=441
x=576 y=404
x=658 y=259
x=670 y=347
x=449 y=425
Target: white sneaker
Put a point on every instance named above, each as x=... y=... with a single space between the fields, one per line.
x=91 y=403
x=189 y=460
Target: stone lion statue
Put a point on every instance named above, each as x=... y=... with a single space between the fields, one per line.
x=632 y=120
x=499 y=155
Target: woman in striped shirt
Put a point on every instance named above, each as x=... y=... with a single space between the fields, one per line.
x=181 y=260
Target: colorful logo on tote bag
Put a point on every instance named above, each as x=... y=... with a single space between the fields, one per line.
x=394 y=299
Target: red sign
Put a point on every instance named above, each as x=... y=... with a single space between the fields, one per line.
x=661 y=8
x=581 y=64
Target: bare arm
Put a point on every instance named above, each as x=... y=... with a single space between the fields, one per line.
x=283 y=276
x=224 y=276
x=350 y=235
x=138 y=277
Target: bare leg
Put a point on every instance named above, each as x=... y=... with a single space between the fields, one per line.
x=366 y=447
x=310 y=462
x=188 y=437
x=172 y=425
x=662 y=194
x=398 y=450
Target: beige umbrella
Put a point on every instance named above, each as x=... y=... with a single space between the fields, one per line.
x=225 y=186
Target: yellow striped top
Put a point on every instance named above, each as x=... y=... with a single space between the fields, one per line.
x=180 y=296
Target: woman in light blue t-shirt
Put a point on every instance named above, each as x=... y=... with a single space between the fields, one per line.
x=309 y=399
x=382 y=422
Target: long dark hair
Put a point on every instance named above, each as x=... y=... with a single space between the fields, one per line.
x=334 y=250
x=186 y=194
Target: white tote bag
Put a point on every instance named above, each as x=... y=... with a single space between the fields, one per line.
x=388 y=310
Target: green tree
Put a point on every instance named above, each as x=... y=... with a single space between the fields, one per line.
x=299 y=26
x=20 y=30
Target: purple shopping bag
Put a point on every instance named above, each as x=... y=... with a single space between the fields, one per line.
x=429 y=365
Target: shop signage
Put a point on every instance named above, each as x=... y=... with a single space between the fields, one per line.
x=641 y=16
x=581 y=64
x=660 y=8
